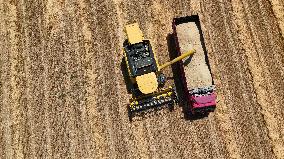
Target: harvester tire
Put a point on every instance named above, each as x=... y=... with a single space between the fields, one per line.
x=161 y=79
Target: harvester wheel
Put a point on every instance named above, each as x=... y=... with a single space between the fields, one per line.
x=161 y=79
x=130 y=114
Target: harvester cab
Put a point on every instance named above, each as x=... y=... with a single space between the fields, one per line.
x=145 y=72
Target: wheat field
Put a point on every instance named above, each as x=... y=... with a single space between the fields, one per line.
x=62 y=92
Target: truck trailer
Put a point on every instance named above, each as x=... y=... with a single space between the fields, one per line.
x=197 y=82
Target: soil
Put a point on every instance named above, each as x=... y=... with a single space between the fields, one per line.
x=196 y=70
x=63 y=94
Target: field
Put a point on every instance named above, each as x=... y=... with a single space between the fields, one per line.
x=63 y=95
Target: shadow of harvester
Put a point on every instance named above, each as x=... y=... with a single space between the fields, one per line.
x=173 y=53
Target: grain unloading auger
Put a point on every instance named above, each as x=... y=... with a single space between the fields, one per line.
x=145 y=72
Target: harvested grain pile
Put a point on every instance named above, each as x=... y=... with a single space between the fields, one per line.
x=196 y=70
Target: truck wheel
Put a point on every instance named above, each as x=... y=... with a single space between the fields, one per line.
x=171 y=106
x=176 y=95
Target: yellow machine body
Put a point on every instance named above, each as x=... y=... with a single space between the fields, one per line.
x=147 y=83
x=134 y=34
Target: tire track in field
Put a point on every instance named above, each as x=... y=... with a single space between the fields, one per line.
x=5 y=78
x=32 y=30
x=100 y=73
x=13 y=53
x=87 y=46
x=223 y=121
x=260 y=77
x=93 y=73
x=70 y=65
x=66 y=96
x=66 y=81
x=106 y=96
x=17 y=80
x=76 y=82
x=52 y=24
x=2 y=73
x=274 y=59
x=2 y=42
x=20 y=129
x=244 y=112
x=137 y=146
x=222 y=111
x=57 y=112
x=258 y=134
x=278 y=9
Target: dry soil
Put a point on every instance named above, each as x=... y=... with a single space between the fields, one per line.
x=63 y=95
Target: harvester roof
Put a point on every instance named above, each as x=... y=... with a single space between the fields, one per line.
x=140 y=58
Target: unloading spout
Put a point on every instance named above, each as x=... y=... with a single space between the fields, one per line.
x=184 y=55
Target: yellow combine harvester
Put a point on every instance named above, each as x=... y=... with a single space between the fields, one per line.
x=145 y=73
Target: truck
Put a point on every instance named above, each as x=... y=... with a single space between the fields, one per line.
x=194 y=71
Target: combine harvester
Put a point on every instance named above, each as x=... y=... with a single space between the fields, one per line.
x=144 y=72
x=197 y=82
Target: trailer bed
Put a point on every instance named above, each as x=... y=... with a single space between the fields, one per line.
x=195 y=67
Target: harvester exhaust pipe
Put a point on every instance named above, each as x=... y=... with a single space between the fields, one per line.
x=184 y=55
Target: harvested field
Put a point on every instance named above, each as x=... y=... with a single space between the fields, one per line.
x=63 y=95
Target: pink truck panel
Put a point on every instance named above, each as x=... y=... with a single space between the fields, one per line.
x=203 y=101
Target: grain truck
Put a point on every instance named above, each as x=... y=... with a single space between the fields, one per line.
x=194 y=71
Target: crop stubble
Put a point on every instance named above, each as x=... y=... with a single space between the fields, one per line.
x=63 y=95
